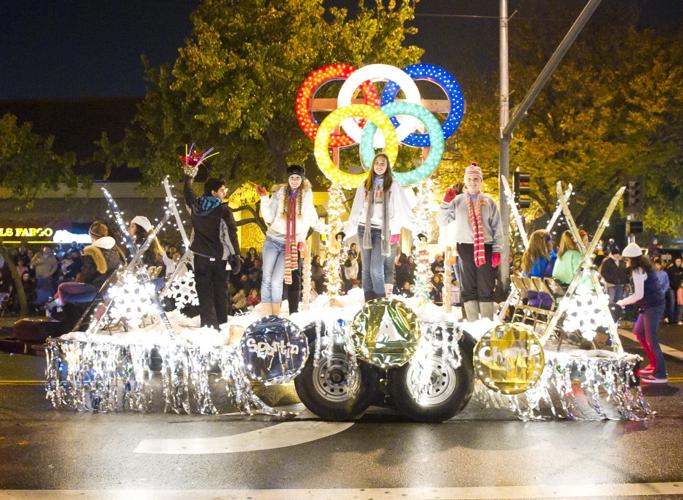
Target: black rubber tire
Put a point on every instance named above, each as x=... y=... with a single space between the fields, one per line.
x=444 y=410
x=320 y=403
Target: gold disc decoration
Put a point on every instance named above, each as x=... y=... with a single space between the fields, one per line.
x=386 y=333
x=509 y=358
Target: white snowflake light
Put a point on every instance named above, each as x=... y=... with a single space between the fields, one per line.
x=132 y=300
x=183 y=290
x=586 y=313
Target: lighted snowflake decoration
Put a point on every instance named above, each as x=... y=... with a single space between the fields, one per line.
x=183 y=290
x=132 y=300
x=586 y=312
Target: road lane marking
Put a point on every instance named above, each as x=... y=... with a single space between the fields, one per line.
x=470 y=492
x=268 y=438
x=22 y=382
x=674 y=353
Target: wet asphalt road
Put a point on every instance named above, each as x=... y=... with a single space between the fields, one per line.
x=41 y=448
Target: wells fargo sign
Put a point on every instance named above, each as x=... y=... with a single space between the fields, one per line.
x=26 y=232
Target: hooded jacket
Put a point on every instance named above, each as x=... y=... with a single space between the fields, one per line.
x=215 y=231
x=100 y=260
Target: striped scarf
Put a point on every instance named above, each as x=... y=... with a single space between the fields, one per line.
x=474 y=216
x=291 y=256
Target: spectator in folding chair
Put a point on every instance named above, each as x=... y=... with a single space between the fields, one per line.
x=568 y=261
x=649 y=298
x=538 y=261
x=100 y=260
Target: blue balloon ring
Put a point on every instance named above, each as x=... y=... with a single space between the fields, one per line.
x=435 y=134
x=448 y=84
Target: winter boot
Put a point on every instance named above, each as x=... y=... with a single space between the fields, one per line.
x=471 y=310
x=487 y=309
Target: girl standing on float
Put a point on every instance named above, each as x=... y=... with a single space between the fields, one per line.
x=289 y=213
x=380 y=209
x=649 y=298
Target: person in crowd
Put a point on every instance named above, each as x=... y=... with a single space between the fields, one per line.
x=675 y=272
x=654 y=250
x=317 y=274
x=350 y=270
x=380 y=209
x=153 y=258
x=239 y=301
x=436 y=292
x=289 y=213
x=478 y=235
x=438 y=266
x=74 y=266
x=679 y=304
x=538 y=261
x=250 y=259
x=215 y=247
x=406 y=289
x=411 y=269
x=455 y=292
x=45 y=266
x=669 y=294
x=401 y=271
x=613 y=271
x=253 y=298
x=647 y=295
x=568 y=260
x=611 y=245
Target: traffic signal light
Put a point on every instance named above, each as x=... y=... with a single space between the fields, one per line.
x=522 y=185
x=634 y=226
x=634 y=197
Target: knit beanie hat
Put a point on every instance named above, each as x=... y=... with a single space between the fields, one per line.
x=296 y=170
x=473 y=169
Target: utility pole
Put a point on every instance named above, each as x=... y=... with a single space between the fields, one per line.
x=504 y=161
x=508 y=125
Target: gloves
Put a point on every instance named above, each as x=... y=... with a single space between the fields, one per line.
x=449 y=195
x=394 y=239
x=235 y=264
x=261 y=191
x=495 y=259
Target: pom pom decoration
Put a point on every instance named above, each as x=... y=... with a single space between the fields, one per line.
x=193 y=159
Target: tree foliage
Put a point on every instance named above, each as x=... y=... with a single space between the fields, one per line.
x=612 y=109
x=27 y=162
x=234 y=83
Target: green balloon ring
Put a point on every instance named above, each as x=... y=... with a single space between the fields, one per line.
x=436 y=140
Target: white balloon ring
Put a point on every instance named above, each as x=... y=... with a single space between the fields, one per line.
x=379 y=72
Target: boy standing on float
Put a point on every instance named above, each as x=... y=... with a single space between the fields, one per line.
x=478 y=236
x=214 y=244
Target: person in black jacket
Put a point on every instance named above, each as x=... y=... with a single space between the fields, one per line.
x=215 y=248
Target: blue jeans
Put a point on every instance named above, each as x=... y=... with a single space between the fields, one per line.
x=377 y=269
x=616 y=293
x=273 y=271
x=645 y=330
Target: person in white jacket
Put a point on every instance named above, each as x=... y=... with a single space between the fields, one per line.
x=380 y=209
x=289 y=213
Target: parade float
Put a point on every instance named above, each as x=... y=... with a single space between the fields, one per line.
x=138 y=353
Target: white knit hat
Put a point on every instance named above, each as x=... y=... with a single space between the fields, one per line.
x=632 y=250
x=143 y=222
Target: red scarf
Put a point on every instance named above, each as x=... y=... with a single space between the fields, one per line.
x=474 y=216
x=291 y=256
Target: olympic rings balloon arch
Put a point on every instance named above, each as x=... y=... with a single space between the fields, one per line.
x=385 y=123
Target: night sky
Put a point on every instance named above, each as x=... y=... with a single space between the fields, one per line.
x=91 y=48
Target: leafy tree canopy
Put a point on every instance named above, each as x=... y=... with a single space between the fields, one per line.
x=234 y=83
x=27 y=162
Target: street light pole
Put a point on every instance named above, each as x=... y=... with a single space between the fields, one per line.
x=504 y=159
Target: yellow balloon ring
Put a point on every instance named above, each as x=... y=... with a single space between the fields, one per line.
x=509 y=358
x=334 y=119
